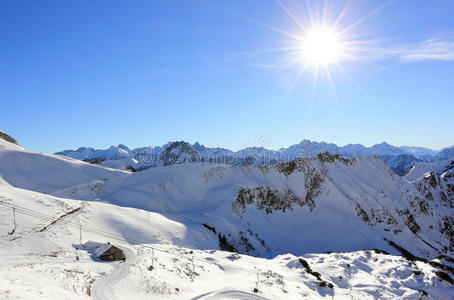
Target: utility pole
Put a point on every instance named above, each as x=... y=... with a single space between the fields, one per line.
x=14 y=218
x=80 y=234
x=14 y=222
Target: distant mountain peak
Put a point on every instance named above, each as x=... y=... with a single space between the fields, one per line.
x=179 y=152
x=398 y=159
x=199 y=147
x=383 y=144
x=121 y=146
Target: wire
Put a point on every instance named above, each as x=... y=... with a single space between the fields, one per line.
x=45 y=217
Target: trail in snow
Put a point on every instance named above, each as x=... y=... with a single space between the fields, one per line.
x=233 y=295
x=105 y=287
x=72 y=212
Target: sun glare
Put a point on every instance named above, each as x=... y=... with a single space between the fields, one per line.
x=321 y=46
x=324 y=42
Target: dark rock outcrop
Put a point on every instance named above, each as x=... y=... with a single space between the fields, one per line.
x=8 y=138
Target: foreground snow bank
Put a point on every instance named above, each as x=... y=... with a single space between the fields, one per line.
x=39 y=261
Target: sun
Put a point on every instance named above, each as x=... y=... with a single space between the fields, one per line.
x=324 y=42
x=321 y=46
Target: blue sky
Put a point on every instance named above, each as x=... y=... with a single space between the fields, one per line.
x=97 y=73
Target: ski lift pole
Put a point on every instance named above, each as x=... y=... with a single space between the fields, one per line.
x=14 y=218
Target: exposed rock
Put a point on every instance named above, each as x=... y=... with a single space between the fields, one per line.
x=8 y=138
x=179 y=152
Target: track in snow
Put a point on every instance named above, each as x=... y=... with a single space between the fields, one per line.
x=230 y=295
x=105 y=287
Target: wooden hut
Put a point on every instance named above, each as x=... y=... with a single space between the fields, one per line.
x=109 y=252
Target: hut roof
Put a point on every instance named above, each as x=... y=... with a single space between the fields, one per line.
x=101 y=249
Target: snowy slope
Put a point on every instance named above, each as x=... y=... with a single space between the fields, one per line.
x=357 y=203
x=44 y=260
x=8 y=142
x=401 y=163
x=48 y=173
x=446 y=153
x=171 y=222
x=419 y=151
x=421 y=168
x=436 y=182
x=327 y=203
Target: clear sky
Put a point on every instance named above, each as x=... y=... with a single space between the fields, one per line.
x=225 y=73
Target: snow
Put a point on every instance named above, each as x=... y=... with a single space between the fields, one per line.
x=49 y=173
x=399 y=159
x=204 y=193
x=421 y=168
x=100 y=249
x=446 y=153
x=401 y=163
x=419 y=151
x=43 y=264
x=8 y=145
x=118 y=164
x=156 y=217
x=106 y=287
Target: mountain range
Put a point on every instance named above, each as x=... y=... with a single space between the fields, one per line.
x=399 y=159
x=317 y=227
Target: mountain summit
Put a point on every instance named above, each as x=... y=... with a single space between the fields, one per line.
x=399 y=159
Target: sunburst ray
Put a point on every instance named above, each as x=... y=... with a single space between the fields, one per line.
x=322 y=44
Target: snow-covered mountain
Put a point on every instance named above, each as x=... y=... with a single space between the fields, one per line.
x=178 y=153
x=357 y=202
x=445 y=154
x=385 y=149
x=399 y=163
x=436 y=182
x=419 y=151
x=49 y=173
x=172 y=221
x=399 y=159
x=308 y=148
x=331 y=192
